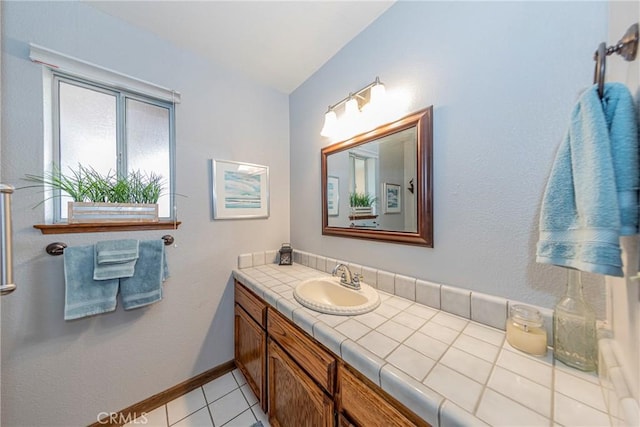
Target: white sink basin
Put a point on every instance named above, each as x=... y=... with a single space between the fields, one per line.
x=327 y=295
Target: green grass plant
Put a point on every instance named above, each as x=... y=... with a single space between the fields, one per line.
x=85 y=184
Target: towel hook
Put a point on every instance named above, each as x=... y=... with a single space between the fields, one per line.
x=57 y=248
x=627 y=47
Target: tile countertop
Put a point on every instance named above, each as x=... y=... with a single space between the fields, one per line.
x=447 y=369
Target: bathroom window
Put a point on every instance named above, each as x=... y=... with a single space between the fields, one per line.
x=114 y=130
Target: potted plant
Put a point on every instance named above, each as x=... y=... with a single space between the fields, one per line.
x=105 y=198
x=361 y=203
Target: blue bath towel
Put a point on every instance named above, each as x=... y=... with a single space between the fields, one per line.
x=115 y=259
x=83 y=295
x=591 y=196
x=145 y=286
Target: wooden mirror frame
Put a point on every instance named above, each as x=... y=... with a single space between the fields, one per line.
x=423 y=121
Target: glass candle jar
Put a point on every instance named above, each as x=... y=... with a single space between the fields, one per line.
x=525 y=330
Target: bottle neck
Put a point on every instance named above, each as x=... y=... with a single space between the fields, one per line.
x=574 y=284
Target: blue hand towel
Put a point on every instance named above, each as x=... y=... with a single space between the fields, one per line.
x=145 y=286
x=115 y=259
x=83 y=295
x=591 y=196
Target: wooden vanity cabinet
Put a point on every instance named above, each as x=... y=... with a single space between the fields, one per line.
x=361 y=403
x=299 y=382
x=250 y=344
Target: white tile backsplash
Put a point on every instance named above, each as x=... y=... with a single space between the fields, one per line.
x=456 y=301
x=428 y=293
x=489 y=310
x=370 y=276
x=258 y=258
x=405 y=287
x=386 y=281
x=245 y=261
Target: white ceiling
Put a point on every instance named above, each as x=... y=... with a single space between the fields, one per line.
x=278 y=43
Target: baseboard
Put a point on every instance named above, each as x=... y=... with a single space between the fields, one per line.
x=130 y=413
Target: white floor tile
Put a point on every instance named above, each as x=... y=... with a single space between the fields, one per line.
x=240 y=379
x=245 y=419
x=248 y=394
x=185 y=405
x=228 y=407
x=199 y=419
x=155 y=418
x=219 y=387
x=260 y=416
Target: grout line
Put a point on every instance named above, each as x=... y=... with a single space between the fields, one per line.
x=166 y=413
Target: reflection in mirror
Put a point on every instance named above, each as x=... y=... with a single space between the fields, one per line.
x=378 y=185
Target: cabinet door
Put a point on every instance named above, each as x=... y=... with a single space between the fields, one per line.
x=294 y=399
x=250 y=353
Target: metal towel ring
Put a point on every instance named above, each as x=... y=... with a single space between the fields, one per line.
x=601 y=64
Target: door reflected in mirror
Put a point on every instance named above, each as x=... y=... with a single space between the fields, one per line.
x=378 y=185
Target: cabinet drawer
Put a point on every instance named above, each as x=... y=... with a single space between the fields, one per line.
x=318 y=363
x=367 y=407
x=252 y=304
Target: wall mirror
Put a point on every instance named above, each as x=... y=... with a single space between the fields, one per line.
x=378 y=185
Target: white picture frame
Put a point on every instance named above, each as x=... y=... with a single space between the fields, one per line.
x=392 y=198
x=239 y=190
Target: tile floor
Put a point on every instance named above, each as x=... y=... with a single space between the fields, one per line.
x=226 y=401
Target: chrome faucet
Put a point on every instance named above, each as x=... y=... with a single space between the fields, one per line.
x=346 y=277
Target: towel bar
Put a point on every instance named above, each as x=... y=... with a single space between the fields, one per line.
x=57 y=248
x=627 y=47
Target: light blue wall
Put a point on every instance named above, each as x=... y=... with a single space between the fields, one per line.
x=502 y=77
x=65 y=373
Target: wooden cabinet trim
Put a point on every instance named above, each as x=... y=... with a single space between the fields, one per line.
x=252 y=304
x=320 y=364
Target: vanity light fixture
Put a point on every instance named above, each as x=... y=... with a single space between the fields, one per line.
x=364 y=100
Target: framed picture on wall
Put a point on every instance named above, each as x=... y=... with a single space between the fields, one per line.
x=392 y=198
x=239 y=190
x=333 y=195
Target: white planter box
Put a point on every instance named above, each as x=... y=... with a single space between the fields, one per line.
x=83 y=212
x=361 y=211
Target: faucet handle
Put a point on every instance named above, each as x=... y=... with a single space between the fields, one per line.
x=357 y=277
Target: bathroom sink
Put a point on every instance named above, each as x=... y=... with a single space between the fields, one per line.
x=327 y=295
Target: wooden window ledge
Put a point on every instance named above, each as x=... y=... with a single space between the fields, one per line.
x=105 y=227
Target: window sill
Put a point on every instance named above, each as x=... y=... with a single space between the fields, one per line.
x=105 y=227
